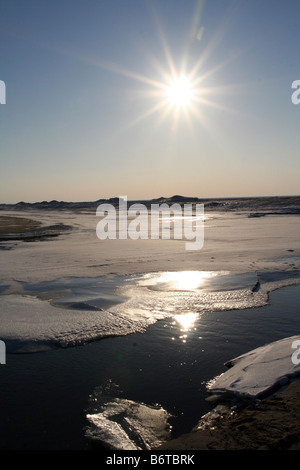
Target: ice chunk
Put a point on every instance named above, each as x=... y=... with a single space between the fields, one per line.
x=127 y=425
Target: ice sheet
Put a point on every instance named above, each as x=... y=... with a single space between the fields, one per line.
x=29 y=324
x=74 y=311
x=233 y=244
x=258 y=372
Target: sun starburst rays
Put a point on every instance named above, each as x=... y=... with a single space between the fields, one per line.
x=178 y=94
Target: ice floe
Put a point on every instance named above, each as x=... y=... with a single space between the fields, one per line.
x=258 y=372
x=124 y=424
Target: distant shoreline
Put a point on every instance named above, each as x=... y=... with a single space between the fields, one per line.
x=25 y=229
x=271 y=204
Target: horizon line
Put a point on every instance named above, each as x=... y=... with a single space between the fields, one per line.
x=150 y=199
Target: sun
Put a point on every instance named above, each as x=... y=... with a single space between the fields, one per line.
x=180 y=92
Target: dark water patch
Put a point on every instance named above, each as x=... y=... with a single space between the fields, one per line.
x=278 y=275
x=3 y=287
x=91 y=293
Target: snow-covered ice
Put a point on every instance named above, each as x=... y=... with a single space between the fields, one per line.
x=29 y=324
x=258 y=372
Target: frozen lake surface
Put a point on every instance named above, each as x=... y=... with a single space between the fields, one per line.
x=92 y=326
x=77 y=310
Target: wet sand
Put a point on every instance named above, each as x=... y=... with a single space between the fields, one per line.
x=272 y=424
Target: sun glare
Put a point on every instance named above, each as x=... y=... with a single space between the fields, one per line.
x=180 y=91
x=183 y=280
x=186 y=320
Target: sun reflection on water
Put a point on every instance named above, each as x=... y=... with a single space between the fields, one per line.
x=186 y=320
x=183 y=280
x=186 y=323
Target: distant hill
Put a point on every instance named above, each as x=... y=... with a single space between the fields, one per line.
x=257 y=206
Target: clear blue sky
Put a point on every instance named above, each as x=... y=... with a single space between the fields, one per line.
x=85 y=114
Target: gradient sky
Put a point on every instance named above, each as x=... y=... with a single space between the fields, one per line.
x=85 y=115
